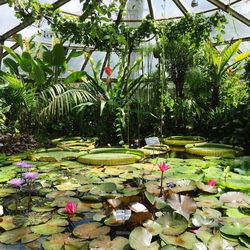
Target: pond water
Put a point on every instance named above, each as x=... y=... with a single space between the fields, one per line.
x=35 y=217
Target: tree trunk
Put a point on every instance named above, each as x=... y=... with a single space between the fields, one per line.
x=215 y=96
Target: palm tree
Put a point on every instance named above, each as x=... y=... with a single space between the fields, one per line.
x=220 y=62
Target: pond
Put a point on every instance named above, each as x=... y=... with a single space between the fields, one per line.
x=61 y=203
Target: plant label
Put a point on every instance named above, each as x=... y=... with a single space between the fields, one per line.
x=122 y=214
x=152 y=140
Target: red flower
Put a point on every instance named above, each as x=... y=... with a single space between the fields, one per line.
x=108 y=70
x=163 y=167
x=211 y=182
x=70 y=208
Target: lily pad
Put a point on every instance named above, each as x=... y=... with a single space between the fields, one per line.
x=15 y=235
x=140 y=238
x=104 y=242
x=6 y=222
x=212 y=149
x=172 y=223
x=68 y=186
x=108 y=159
x=218 y=243
x=51 y=227
x=182 y=204
x=91 y=230
x=55 y=242
x=186 y=240
x=235 y=199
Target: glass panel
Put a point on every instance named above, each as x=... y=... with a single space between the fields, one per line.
x=243 y=8
x=136 y=10
x=165 y=9
x=245 y=46
x=73 y=7
x=97 y=55
x=47 y=1
x=7 y=19
x=202 y=6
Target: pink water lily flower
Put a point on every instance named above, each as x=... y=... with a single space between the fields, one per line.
x=212 y=182
x=16 y=182
x=70 y=208
x=23 y=164
x=163 y=167
x=30 y=175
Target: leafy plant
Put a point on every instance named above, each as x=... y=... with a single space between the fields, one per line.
x=220 y=65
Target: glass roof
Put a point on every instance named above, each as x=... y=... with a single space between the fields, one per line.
x=135 y=10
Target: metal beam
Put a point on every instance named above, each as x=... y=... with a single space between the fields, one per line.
x=231 y=11
x=28 y=21
x=151 y=10
x=1 y=53
x=181 y=7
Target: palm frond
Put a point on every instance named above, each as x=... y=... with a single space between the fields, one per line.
x=59 y=100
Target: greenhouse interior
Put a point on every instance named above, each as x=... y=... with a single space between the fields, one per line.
x=125 y=124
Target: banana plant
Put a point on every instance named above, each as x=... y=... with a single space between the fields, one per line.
x=221 y=63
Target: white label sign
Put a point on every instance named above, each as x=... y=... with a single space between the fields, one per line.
x=152 y=140
x=122 y=214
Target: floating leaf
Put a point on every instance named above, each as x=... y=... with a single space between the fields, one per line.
x=140 y=238
x=235 y=199
x=51 y=227
x=212 y=202
x=153 y=227
x=13 y=236
x=6 y=222
x=182 y=204
x=172 y=223
x=104 y=242
x=218 y=243
x=91 y=230
x=114 y=202
x=138 y=207
x=67 y=186
x=186 y=240
x=55 y=242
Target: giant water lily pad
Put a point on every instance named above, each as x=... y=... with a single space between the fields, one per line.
x=91 y=230
x=109 y=158
x=177 y=143
x=51 y=227
x=172 y=223
x=212 y=149
x=54 y=155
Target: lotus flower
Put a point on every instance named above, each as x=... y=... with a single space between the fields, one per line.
x=212 y=182
x=163 y=167
x=16 y=182
x=108 y=70
x=23 y=164
x=70 y=208
x=30 y=175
